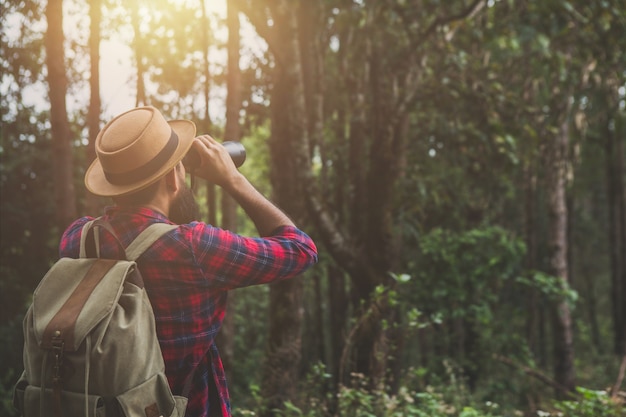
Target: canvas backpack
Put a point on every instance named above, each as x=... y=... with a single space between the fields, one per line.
x=90 y=344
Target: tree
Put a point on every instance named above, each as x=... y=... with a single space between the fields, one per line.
x=288 y=161
x=557 y=161
x=93 y=115
x=138 y=48
x=232 y=132
x=60 y=127
x=616 y=185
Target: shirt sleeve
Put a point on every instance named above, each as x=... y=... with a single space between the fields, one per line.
x=233 y=261
x=69 y=247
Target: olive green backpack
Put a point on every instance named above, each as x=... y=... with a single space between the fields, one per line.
x=90 y=344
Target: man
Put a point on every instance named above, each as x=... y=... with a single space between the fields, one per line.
x=189 y=270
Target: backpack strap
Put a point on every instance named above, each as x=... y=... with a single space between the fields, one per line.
x=89 y=247
x=146 y=238
x=83 y=237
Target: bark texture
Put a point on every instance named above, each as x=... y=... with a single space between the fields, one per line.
x=60 y=127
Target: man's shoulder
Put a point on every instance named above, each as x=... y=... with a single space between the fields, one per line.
x=76 y=226
x=69 y=245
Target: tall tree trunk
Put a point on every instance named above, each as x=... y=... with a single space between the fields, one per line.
x=557 y=166
x=289 y=154
x=232 y=132
x=211 y=191
x=617 y=235
x=338 y=306
x=61 y=132
x=313 y=332
x=140 y=99
x=93 y=115
x=205 y=69
x=588 y=283
x=386 y=135
x=530 y=237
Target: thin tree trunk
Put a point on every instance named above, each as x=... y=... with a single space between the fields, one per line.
x=530 y=237
x=61 y=132
x=207 y=74
x=317 y=344
x=617 y=237
x=93 y=115
x=338 y=306
x=621 y=212
x=210 y=189
x=226 y=337
x=140 y=99
x=592 y=310
x=557 y=206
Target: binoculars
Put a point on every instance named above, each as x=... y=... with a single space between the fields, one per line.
x=236 y=151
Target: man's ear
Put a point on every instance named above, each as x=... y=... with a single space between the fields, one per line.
x=171 y=180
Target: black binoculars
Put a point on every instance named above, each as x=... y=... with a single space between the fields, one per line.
x=236 y=151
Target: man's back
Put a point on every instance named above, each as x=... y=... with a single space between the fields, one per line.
x=187 y=274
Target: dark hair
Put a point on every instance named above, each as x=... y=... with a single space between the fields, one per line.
x=137 y=198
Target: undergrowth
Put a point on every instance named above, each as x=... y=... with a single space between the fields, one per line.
x=358 y=400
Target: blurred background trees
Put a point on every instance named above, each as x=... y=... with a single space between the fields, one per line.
x=460 y=164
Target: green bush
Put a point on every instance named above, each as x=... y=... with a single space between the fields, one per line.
x=446 y=400
x=590 y=404
x=357 y=400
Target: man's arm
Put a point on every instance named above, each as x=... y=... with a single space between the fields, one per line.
x=265 y=215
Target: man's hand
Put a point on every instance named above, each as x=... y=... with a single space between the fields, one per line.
x=216 y=165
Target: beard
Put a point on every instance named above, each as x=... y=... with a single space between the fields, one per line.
x=184 y=209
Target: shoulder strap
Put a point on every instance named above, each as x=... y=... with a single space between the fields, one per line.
x=83 y=239
x=90 y=238
x=146 y=238
x=142 y=242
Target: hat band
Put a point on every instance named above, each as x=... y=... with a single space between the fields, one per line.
x=144 y=171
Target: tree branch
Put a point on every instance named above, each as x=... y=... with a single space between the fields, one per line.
x=537 y=374
x=440 y=21
x=265 y=31
x=345 y=253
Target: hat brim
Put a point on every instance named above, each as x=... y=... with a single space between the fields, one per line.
x=97 y=183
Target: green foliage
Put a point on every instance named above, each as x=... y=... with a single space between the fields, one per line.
x=7 y=381
x=590 y=404
x=442 y=400
x=357 y=400
x=250 y=306
x=554 y=288
x=26 y=211
x=462 y=274
x=462 y=302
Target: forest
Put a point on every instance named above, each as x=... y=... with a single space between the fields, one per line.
x=460 y=164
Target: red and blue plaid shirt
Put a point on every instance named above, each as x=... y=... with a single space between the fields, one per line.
x=187 y=274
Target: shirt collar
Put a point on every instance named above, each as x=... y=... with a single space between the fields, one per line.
x=146 y=212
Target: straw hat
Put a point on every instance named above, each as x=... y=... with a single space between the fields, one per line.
x=136 y=149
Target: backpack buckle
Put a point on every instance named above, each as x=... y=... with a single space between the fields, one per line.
x=57 y=349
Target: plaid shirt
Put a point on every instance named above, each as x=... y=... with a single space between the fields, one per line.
x=187 y=274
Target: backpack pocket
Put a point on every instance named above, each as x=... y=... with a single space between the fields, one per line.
x=29 y=402
x=152 y=398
